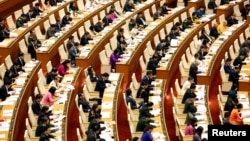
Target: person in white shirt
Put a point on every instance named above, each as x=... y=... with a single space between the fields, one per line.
x=187 y=84
x=90 y=5
x=56 y=84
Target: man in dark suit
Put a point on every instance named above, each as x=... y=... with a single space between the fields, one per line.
x=32 y=49
x=238 y=61
x=189 y=103
x=245 y=11
x=130 y=100
x=51 y=31
x=94 y=121
x=143 y=123
x=153 y=64
x=93 y=133
x=212 y=5
x=74 y=52
x=193 y=71
x=4 y=90
x=106 y=21
x=98 y=26
x=85 y=39
x=36 y=10
x=234 y=76
x=143 y=92
x=59 y=25
x=21 y=21
x=145 y=110
x=148 y=78
x=214 y=32
x=227 y=66
x=30 y=15
x=83 y=102
x=140 y=20
x=174 y=33
x=66 y=19
x=129 y=6
x=46 y=136
x=202 y=52
x=189 y=92
x=70 y=42
x=101 y=84
x=3 y=34
x=20 y=61
x=232 y=20
x=51 y=75
x=53 y=2
x=15 y=68
x=164 y=8
x=120 y=35
x=36 y=105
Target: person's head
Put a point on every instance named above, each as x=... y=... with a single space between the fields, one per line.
x=45 y=120
x=45 y=109
x=91 y=28
x=54 y=70
x=52 y=90
x=193 y=87
x=140 y=14
x=193 y=109
x=105 y=76
x=144 y=85
x=196 y=55
x=59 y=21
x=149 y=73
x=16 y=65
x=8 y=83
x=90 y=70
x=96 y=128
x=81 y=96
x=46 y=2
x=242 y=56
x=191 y=79
x=47 y=130
x=234 y=87
x=98 y=117
x=30 y=12
x=37 y=5
x=87 y=34
x=95 y=107
x=56 y=79
x=199 y=130
x=68 y=14
x=23 y=16
x=38 y=98
x=116 y=51
x=150 y=105
x=128 y=92
x=228 y=61
x=71 y=38
x=202 y=8
x=53 y=27
x=236 y=69
x=149 y=128
x=193 y=97
x=194 y=14
x=121 y=30
x=159 y=10
x=66 y=63
x=135 y=139
x=193 y=121
x=76 y=45
x=147 y=117
x=239 y=106
x=21 y=55
x=155 y=57
x=8 y=73
x=189 y=19
x=174 y=29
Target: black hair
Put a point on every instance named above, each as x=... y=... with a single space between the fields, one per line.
x=39 y=96
x=105 y=74
x=52 y=90
x=128 y=92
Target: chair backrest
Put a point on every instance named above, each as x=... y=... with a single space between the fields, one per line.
x=79 y=137
x=169 y=26
x=32 y=118
x=23 y=46
x=142 y=63
x=82 y=127
x=223 y=74
x=26 y=136
x=49 y=66
x=76 y=101
x=76 y=38
x=177 y=87
x=247 y=32
x=1 y=82
x=2 y=70
x=10 y=22
x=52 y=19
x=132 y=116
x=236 y=45
x=118 y=6
x=232 y=53
x=61 y=13
x=191 y=10
x=108 y=50
x=41 y=87
x=183 y=16
x=8 y=62
x=103 y=57
x=46 y=25
x=87 y=24
x=148 y=16
x=80 y=4
x=29 y=101
x=113 y=42
x=86 y=93
x=189 y=55
x=62 y=53
x=134 y=91
x=150 y=49
x=185 y=137
x=124 y=99
x=193 y=49
x=82 y=114
x=181 y=68
x=241 y=38
x=156 y=40
x=162 y=33
x=41 y=75
x=36 y=91
x=89 y=84
x=221 y=18
x=39 y=33
x=184 y=61
x=81 y=31
x=95 y=19
x=135 y=82
x=26 y=8
x=146 y=55
x=18 y=13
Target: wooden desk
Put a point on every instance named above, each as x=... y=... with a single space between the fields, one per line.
x=129 y=67
x=226 y=10
x=196 y=4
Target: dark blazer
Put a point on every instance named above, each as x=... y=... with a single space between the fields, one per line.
x=14 y=71
x=50 y=77
x=73 y=53
x=144 y=93
x=21 y=62
x=132 y=102
x=231 y=21
x=211 y=5
x=91 y=136
x=193 y=71
x=228 y=68
x=85 y=40
x=152 y=65
x=45 y=137
x=98 y=28
x=3 y=35
x=59 y=27
x=36 y=11
x=128 y=8
x=144 y=111
x=222 y=2
x=32 y=50
x=214 y=32
x=139 y=21
x=172 y=35
x=101 y=85
x=187 y=95
x=157 y=15
x=105 y=21
x=66 y=20
x=234 y=77
x=119 y=36
x=188 y=105
x=85 y=105
x=36 y=107
x=147 y=80
x=4 y=93
x=202 y=54
x=69 y=45
x=238 y=62
x=29 y=17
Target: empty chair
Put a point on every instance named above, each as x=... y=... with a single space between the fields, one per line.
x=150 y=49
x=232 y=53
x=185 y=63
x=241 y=38
x=2 y=70
x=237 y=10
x=162 y=33
x=193 y=49
x=191 y=10
x=102 y=14
x=61 y=13
x=49 y=66
x=169 y=26
x=52 y=19
x=83 y=115
x=87 y=24
x=108 y=50
x=184 y=74
x=10 y=22
x=223 y=98
x=32 y=118
x=39 y=34
x=146 y=55
x=31 y=132
x=142 y=66
x=156 y=40
x=136 y=84
x=41 y=87
x=118 y=6
x=24 y=50
x=105 y=66
x=189 y=56
x=81 y=31
x=80 y=4
x=76 y=38
x=148 y=16
x=177 y=87
x=8 y=62
x=183 y=16
x=41 y=75
x=62 y=53
x=95 y=19
x=46 y=25
x=113 y=42
x=221 y=18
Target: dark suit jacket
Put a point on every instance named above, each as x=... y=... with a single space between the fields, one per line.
x=36 y=11
x=238 y=61
x=214 y=32
x=188 y=104
x=132 y=102
x=106 y=21
x=21 y=62
x=50 y=77
x=101 y=85
x=73 y=53
x=31 y=50
x=157 y=15
x=144 y=111
x=29 y=17
x=66 y=20
x=172 y=35
x=85 y=105
x=91 y=136
x=45 y=137
x=98 y=28
x=211 y=5
x=228 y=68
x=139 y=21
x=187 y=95
x=14 y=71
x=3 y=35
x=231 y=21
x=4 y=93
x=202 y=55
x=84 y=40
x=193 y=71
x=128 y=8
x=222 y=2
x=152 y=65
x=234 y=77
x=59 y=27
x=36 y=107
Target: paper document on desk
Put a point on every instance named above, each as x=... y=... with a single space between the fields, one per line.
x=43 y=49
x=67 y=79
x=2 y=136
x=227 y=33
x=107 y=105
x=174 y=42
x=155 y=99
x=155 y=112
x=20 y=81
x=6 y=102
x=114 y=76
x=160 y=136
x=105 y=114
x=155 y=91
x=7 y=113
x=201 y=108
